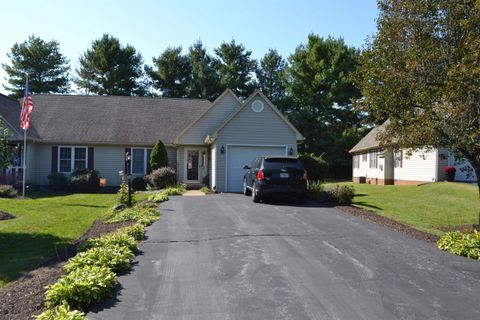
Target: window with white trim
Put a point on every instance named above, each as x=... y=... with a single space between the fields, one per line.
x=398 y=156
x=71 y=159
x=140 y=159
x=373 y=160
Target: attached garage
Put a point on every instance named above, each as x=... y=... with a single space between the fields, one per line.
x=240 y=155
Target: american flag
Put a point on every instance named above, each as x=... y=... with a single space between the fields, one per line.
x=27 y=108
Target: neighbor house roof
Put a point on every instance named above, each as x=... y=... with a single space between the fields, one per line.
x=10 y=115
x=370 y=141
x=108 y=119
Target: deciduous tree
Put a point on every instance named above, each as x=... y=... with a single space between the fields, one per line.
x=422 y=71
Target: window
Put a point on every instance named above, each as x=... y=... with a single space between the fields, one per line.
x=398 y=156
x=71 y=159
x=140 y=160
x=356 y=161
x=373 y=160
x=364 y=157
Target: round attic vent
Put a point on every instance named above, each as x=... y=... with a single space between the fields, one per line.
x=257 y=106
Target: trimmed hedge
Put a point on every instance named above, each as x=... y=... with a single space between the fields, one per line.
x=84 y=181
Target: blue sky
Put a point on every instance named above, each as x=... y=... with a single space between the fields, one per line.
x=152 y=26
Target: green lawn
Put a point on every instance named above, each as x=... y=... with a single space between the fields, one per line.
x=427 y=207
x=43 y=225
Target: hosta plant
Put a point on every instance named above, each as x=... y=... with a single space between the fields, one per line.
x=465 y=244
x=61 y=312
x=115 y=257
x=118 y=238
x=82 y=287
x=137 y=231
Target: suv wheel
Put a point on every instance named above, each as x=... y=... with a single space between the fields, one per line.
x=246 y=191
x=255 y=196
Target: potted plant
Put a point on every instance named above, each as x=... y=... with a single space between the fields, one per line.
x=450 y=172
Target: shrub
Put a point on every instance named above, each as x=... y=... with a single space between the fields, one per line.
x=115 y=257
x=143 y=215
x=158 y=157
x=122 y=195
x=7 y=191
x=113 y=239
x=136 y=231
x=316 y=166
x=139 y=184
x=342 y=195
x=61 y=312
x=85 y=180
x=162 y=177
x=463 y=244
x=57 y=181
x=316 y=191
x=82 y=287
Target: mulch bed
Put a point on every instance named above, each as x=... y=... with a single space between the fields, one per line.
x=22 y=298
x=5 y=215
x=389 y=223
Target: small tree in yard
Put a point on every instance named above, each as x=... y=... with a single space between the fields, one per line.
x=158 y=157
x=422 y=72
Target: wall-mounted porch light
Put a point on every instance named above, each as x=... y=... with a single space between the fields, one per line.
x=222 y=150
x=290 y=151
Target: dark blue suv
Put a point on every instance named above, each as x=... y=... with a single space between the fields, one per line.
x=268 y=176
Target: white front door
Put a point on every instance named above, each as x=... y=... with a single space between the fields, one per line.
x=195 y=164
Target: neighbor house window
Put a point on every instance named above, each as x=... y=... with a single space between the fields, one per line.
x=373 y=159
x=356 y=161
x=398 y=156
x=71 y=159
x=140 y=159
x=364 y=157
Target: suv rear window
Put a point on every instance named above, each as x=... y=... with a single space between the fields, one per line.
x=279 y=163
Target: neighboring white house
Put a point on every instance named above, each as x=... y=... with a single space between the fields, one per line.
x=205 y=141
x=374 y=165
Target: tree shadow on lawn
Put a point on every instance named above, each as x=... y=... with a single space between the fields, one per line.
x=367 y=205
x=23 y=252
x=83 y=205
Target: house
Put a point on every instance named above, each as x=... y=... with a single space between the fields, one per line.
x=207 y=142
x=375 y=165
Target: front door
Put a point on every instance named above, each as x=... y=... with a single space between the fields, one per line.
x=192 y=165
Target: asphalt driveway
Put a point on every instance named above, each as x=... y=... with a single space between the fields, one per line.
x=224 y=257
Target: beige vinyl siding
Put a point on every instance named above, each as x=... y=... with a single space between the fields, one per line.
x=210 y=121
x=420 y=166
x=264 y=128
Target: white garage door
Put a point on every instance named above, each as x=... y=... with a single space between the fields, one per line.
x=239 y=156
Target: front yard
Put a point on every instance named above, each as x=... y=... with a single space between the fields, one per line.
x=43 y=225
x=432 y=207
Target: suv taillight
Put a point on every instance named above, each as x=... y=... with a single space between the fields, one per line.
x=305 y=175
x=260 y=175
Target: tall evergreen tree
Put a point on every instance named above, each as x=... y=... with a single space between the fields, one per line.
x=269 y=77
x=319 y=86
x=172 y=73
x=110 y=68
x=46 y=67
x=236 y=68
x=205 y=80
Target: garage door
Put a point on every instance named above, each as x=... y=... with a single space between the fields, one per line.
x=239 y=156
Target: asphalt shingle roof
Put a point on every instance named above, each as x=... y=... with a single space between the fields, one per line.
x=108 y=119
x=370 y=141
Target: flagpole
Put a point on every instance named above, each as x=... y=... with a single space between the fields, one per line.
x=24 y=161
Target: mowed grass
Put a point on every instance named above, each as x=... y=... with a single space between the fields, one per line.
x=43 y=225
x=428 y=207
